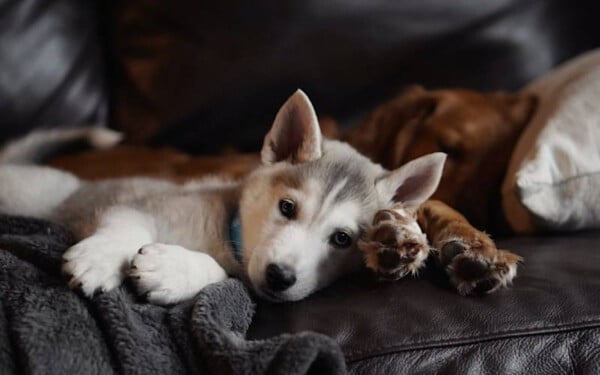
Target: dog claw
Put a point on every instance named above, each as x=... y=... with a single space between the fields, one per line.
x=78 y=288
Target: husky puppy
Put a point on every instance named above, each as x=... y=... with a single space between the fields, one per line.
x=289 y=228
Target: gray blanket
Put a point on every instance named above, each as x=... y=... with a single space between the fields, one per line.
x=47 y=328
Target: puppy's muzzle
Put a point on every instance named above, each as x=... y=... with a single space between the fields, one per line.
x=279 y=277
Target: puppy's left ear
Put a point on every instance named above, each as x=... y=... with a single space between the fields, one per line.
x=413 y=183
x=295 y=135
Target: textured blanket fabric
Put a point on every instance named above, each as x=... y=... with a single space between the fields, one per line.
x=46 y=328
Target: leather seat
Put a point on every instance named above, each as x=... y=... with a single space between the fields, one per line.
x=548 y=322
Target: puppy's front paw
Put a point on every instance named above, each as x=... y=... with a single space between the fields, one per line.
x=167 y=274
x=394 y=246
x=96 y=264
x=475 y=266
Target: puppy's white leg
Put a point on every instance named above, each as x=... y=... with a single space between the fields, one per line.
x=170 y=273
x=99 y=262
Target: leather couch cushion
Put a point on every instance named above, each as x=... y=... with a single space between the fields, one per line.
x=201 y=75
x=51 y=65
x=569 y=352
x=548 y=322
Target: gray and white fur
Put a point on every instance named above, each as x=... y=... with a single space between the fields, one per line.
x=172 y=240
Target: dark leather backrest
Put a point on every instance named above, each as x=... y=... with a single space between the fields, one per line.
x=204 y=74
x=51 y=65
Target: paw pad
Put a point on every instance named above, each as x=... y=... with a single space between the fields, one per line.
x=395 y=245
x=386 y=235
x=484 y=286
x=450 y=250
x=471 y=269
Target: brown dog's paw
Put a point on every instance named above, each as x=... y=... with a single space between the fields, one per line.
x=394 y=246
x=476 y=267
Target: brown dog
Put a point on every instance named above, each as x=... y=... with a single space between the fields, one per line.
x=478 y=132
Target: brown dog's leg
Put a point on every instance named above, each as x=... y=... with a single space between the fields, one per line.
x=469 y=256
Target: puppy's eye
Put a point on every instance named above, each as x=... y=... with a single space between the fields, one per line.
x=340 y=240
x=287 y=207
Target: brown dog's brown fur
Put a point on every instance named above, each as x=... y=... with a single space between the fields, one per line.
x=477 y=130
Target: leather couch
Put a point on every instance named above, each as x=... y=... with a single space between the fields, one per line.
x=206 y=77
x=548 y=322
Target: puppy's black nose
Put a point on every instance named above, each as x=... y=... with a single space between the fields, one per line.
x=280 y=277
x=388 y=259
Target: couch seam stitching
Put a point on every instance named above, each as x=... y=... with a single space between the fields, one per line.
x=486 y=337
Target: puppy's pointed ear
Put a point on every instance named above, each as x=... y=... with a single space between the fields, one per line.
x=413 y=183
x=295 y=135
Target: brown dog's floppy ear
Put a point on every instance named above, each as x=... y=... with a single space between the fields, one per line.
x=390 y=129
x=518 y=107
x=295 y=135
x=414 y=182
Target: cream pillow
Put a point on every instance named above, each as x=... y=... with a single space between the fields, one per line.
x=553 y=179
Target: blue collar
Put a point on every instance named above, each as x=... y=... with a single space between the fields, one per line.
x=235 y=236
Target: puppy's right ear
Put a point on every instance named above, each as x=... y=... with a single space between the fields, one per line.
x=295 y=135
